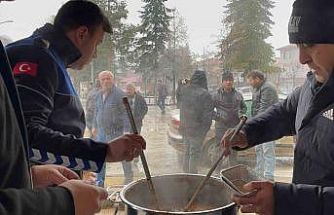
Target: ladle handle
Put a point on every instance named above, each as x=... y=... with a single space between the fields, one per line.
x=202 y=183
x=135 y=131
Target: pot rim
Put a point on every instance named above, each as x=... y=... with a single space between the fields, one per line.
x=137 y=207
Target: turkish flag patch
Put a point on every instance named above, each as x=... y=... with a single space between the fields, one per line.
x=25 y=68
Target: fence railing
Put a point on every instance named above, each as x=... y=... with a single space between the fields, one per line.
x=152 y=100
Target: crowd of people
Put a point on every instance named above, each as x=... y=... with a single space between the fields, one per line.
x=43 y=151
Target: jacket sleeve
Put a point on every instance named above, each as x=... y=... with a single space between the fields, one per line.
x=275 y=122
x=207 y=112
x=215 y=114
x=37 y=93
x=51 y=201
x=143 y=108
x=303 y=199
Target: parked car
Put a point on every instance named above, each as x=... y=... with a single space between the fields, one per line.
x=209 y=147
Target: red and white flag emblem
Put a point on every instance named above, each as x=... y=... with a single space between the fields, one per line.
x=27 y=68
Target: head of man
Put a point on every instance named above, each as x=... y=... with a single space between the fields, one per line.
x=255 y=78
x=84 y=24
x=130 y=90
x=106 y=79
x=227 y=80
x=311 y=28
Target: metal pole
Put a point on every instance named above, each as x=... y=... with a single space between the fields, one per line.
x=92 y=71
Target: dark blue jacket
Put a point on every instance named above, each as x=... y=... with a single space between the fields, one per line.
x=16 y=194
x=52 y=109
x=308 y=114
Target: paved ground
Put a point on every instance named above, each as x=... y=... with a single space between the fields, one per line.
x=161 y=157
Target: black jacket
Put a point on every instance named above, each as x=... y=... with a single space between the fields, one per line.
x=228 y=113
x=16 y=194
x=52 y=109
x=196 y=107
x=309 y=113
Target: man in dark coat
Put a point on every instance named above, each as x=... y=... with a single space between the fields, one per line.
x=264 y=95
x=138 y=105
x=162 y=95
x=306 y=113
x=196 y=108
x=139 y=109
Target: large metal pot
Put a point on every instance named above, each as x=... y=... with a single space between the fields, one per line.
x=173 y=193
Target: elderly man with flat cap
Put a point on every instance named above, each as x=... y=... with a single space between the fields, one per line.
x=306 y=113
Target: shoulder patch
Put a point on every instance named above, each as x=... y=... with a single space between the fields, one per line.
x=328 y=114
x=26 y=68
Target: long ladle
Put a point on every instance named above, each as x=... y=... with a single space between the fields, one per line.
x=142 y=155
x=202 y=183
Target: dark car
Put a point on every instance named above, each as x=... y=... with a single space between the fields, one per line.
x=209 y=147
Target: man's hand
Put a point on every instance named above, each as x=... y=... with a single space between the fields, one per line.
x=87 y=198
x=125 y=147
x=239 y=140
x=94 y=132
x=262 y=202
x=46 y=175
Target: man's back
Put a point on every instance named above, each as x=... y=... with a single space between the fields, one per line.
x=196 y=106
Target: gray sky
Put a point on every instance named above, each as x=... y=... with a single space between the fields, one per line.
x=203 y=19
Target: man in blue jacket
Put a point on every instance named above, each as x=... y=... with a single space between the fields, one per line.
x=17 y=181
x=306 y=113
x=110 y=119
x=52 y=110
